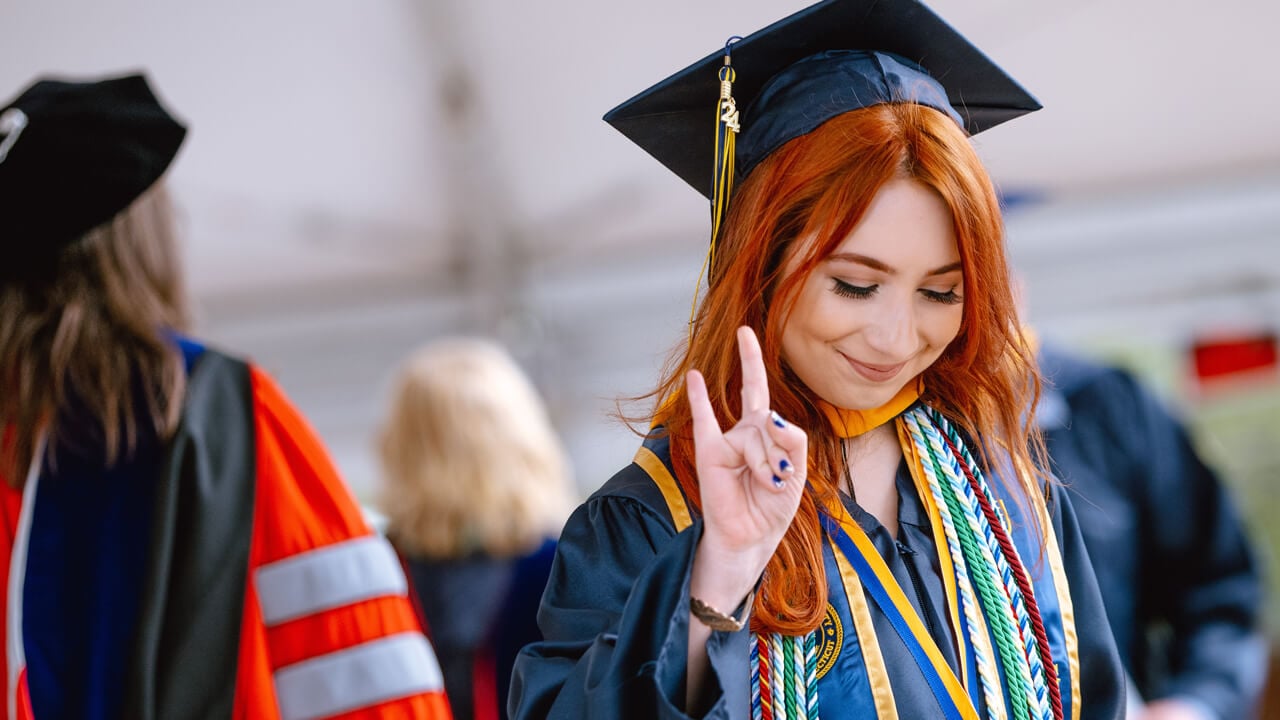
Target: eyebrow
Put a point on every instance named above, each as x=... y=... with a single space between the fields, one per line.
x=875 y=264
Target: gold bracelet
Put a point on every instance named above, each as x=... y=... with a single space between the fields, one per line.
x=717 y=620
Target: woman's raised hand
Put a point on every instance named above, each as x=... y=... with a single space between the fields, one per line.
x=751 y=479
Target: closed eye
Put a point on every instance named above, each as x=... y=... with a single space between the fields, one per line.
x=859 y=292
x=949 y=297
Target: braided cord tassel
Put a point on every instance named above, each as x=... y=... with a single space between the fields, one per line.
x=999 y=619
x=766 y=678
x=756 y=711
x=983 y=524
x=1028 y=663
x=811 y=673
x=983 y=491
x=795 y=647
x=788 y=668
x=778 y=660
x=988 y=672
x=986 y=500
x=784 y=676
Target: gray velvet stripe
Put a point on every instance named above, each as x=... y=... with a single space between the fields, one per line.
x=188 y=640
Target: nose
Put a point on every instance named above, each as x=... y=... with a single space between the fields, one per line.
x=892 y=330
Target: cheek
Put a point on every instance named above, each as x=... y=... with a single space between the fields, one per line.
x=808 y=314
x=943 y=325
x=807 y=325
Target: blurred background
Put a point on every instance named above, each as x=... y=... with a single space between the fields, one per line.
x=361 y=177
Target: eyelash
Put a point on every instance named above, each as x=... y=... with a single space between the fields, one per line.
x=857 y=292
x=946 y=298
x=844 y=289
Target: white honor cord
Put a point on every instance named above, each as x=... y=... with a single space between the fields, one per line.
x=14 y=652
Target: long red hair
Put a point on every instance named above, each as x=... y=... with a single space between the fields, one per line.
x=821 y=184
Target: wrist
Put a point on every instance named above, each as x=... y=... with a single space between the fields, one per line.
x=718 y=620
x=724 y=581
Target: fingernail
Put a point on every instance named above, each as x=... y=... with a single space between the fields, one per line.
x=784 y=465
x=777 y=419
x=777 y=481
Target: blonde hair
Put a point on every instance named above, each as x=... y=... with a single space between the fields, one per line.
x=470 y=460
x=89 y=328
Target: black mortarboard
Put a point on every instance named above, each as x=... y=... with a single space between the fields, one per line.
x=830 y=58
x=73 y=155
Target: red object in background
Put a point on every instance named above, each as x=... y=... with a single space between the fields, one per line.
x=1229 y=356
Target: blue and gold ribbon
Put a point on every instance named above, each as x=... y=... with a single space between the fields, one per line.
x=852 y=542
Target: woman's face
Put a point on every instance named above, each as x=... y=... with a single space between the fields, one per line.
x=883 y=306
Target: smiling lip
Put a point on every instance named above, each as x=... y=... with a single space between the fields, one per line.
x=874 y=373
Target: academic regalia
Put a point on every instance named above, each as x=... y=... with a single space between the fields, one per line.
x=616 y=613
x=225 y=573
x=1181 y=584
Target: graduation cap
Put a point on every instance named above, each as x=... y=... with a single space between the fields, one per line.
x=73 y=155
x=825 y=60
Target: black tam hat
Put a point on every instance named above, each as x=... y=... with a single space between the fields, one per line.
x=73 y=155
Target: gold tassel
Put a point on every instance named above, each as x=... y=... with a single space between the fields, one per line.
x=722 y=176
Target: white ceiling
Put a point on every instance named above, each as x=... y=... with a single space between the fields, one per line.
x=320 y=151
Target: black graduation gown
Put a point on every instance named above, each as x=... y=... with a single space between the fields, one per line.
x=615 y=616
x=479 y=611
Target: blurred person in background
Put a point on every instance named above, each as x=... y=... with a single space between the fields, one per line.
x=476 y=490
x=1178 y=575
x=177 y=542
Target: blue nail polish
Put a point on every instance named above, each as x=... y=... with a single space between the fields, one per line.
x=777 y=481
x=785 y=465
x=777 y=419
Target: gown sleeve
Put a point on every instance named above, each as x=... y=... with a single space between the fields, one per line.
x=615 y=622
x=326 y=607
x=1102 y=680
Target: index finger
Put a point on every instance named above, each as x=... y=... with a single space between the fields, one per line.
x=706 y=429
x=755 y=383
